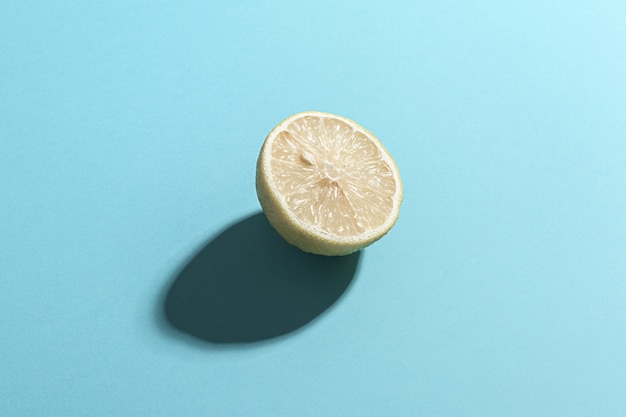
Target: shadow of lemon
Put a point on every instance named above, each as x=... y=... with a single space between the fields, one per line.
x=247 y=285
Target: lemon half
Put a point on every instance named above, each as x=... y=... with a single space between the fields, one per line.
x=326 y=184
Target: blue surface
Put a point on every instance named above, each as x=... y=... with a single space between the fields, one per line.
x=129 y=133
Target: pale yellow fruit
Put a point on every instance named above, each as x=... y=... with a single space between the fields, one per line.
x=327 y=185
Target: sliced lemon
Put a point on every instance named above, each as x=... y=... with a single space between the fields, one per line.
x=327 y=185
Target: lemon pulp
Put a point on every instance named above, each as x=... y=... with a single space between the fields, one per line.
x=332 y=177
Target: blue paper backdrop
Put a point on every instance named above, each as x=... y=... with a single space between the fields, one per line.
x=131 y=246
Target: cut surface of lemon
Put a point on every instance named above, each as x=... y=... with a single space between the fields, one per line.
x=327 y=185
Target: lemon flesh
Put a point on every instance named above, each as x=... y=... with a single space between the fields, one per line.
x=326 y=184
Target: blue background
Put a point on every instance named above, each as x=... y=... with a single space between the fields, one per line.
x=129 y=132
